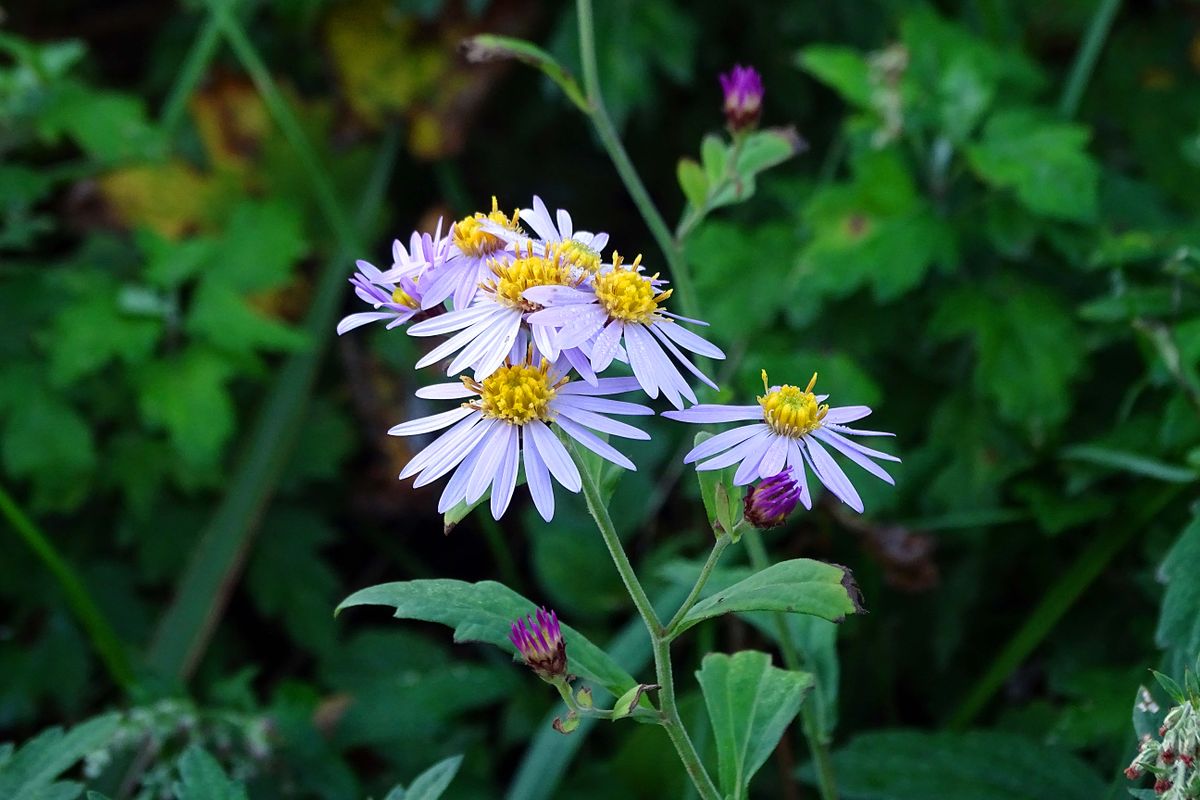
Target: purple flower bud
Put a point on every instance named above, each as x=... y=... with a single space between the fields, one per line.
x=743 y=88
x=541 y=644
x=768 y=504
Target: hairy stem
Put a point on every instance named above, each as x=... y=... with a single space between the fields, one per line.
x=658 y=637
x=713 y=557
x=611 y=141
x=817 y=747
x=103 y=638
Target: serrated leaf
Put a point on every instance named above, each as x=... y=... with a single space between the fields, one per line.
x=798 y=586
x=32 y=769
x=914 y=765
x=750 y=704
x=259 y=246
x=201 y=778
x=484 y=612
x=692 y=181
x=225 y=318
x=1044 y=161
x=49 y=442
x=188 y=398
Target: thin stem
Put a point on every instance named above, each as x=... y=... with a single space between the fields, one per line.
x=661 y=644
x=103 y=638
x=817 y=747
x=1056 y=602
x=607 y=132
x=204 y=48
x=713 y=557
x=1087 y=55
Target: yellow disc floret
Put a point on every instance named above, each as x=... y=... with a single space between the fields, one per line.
x=580 y=256
x=626 y=294
x=790 y=410
x=471 y=238
x=403 y=298
x=516 y=393
x=514 y=277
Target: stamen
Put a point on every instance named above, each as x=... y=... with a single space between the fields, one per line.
x=471 y=238
x=628 y=295
x=792 y=411
x=528 y=270
x=516 y=393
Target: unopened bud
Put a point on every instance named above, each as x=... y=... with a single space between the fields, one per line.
x=541 y=644
x=768 y=504
x=743 y=89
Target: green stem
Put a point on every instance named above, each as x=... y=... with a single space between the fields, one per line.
x=607 y=132
x=713 y=557
x=104 y=639
x=1087 y=55
x=661 y=644
x=817 y=747
x=193 y=69
x=1056 y=602
x=499 y=548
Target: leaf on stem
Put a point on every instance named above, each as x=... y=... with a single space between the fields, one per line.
x=750 y=704
x=489 y=47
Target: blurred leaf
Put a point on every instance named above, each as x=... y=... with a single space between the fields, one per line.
x=226 y=320
x=31 y=771
x=1132 y=463
x=841 y=68
x=1178 y=631
x=488 y=47
x=201 y=778
x=50 y=443
x=982 y=765
x=171 y=198
x=722 y=499
x=692 y=181
x=750 y=704
x=1044 y=161
x=430 y=784
x=259 y=247
x=875 y=231
x=1029 y=350
x=92 y=331
x=485 y=612
x=187 y=397
x=757 y=256
x=107 y=126
x=797 y=586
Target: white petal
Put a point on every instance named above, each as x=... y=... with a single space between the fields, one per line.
x=556 y=457
x=432 y=423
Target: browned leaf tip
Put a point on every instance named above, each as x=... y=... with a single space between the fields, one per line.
x=852 y=590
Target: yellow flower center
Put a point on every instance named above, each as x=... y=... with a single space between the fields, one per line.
x=792 y=411
x=513 y=278
x=403 y=298
x=626 y=294
x=516 y=393
x=471 y=238
x=580 y=256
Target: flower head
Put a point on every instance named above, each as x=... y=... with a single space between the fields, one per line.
x=541 y=644
x=768 y=504
x=791 y=428
x=743 y=89
x=619 y=312
x=507 y=423
x=396 y=302
x=475 y=243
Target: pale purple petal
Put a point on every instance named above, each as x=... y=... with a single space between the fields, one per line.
x=854 y=455
x=774 y=460
x=723 y=441
x=460 y=339
x=710 y=412
x=605 y=347
x=831 y=474
x=832 y=435
x=579 y=361
x=537 y=478
x=755 y=445
x=856 y=432
x=594 y=443
x=557 y=295
x=556 y=457
x=606 y=406
x=432 y=423
x=453 y=441
x=565 y=228
x=800 y=472
x=444 y=391
x=843 y=414
x=601 y=387
x=484 y=472
x=692 y=368
x=362 y=318
x=451 y=452
x=506 y=478
x=451 y=321
x=690 y=341
x=598 y=422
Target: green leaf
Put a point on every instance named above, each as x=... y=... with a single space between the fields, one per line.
x=430 y=784
x=1134 y=463
x=1148 y=711
x=750 y=704
x=489 y=47
x=259 y=247
x=798 y=586
x=93 y=330
x=629 y=701
x=49 y=442
x=843 y=69
x=714 y=155
x=1029 y=349
x=1178 y=631
x=31 y=770
x=912 y=765
x=201 y=778
x=692 y=181
x=1044 y=161
x=226 y=319
x=484 y=612
x=108 y=126
x=187 y=397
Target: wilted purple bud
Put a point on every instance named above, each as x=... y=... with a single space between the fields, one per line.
x=769 y=503
x=743 y=88
x=541 y=644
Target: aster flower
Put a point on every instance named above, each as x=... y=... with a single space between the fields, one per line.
x=621 y=306
x=397 y=301
x=474 y=245
x=743 y=90
x=792 y=427
x=507 y=423
x=541 y=644
x=768 y=504
x=486 y=332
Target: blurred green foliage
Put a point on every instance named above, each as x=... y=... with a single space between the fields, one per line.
x=1015 y=289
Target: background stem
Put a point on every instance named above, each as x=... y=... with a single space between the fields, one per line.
x=1087 y=56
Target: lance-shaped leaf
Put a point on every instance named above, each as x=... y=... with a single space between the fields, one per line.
x=799 y=586
x=489 y=47
x=430 y=784
x=484 y=612
x=750 y=704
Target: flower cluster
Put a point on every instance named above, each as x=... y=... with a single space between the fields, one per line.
x=531 y=320
x=1172 y=761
